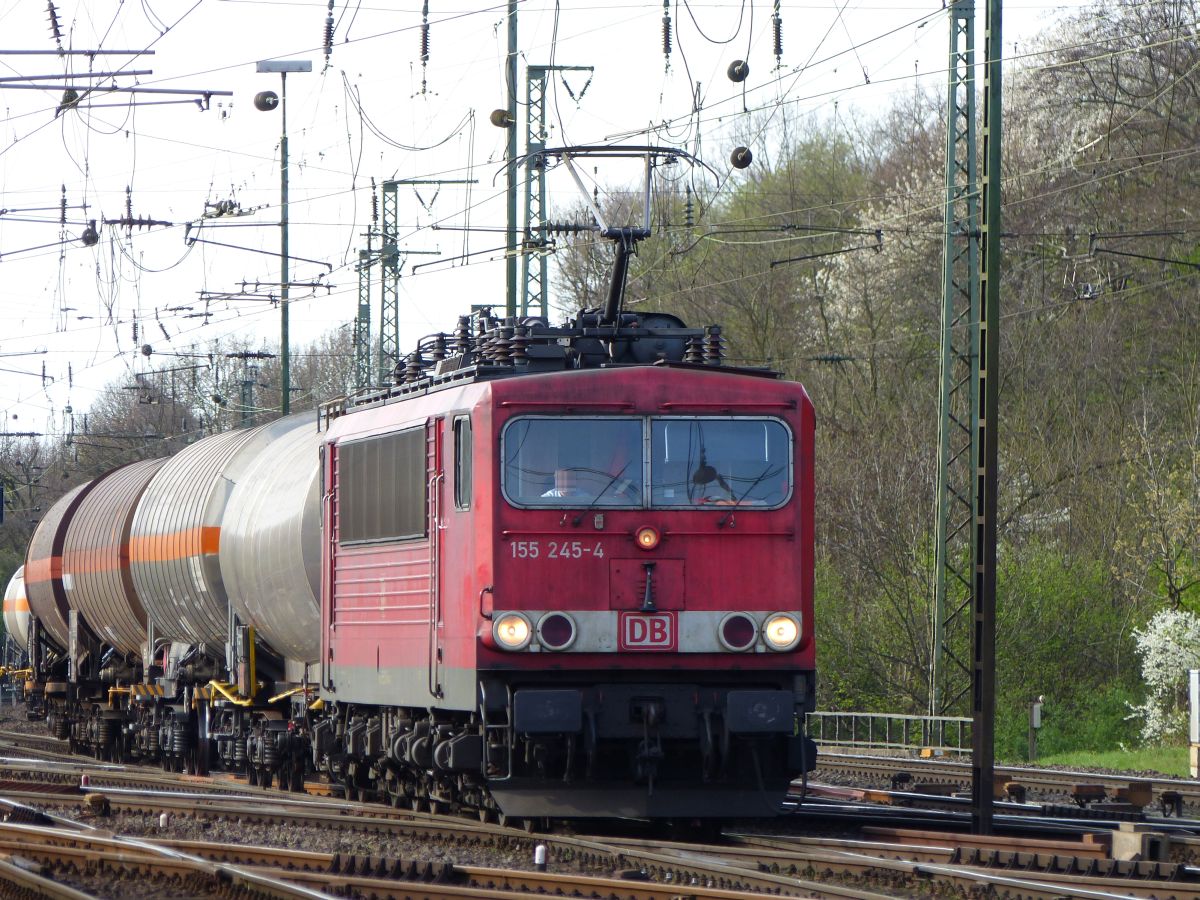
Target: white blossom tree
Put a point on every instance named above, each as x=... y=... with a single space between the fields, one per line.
x=1169 y=646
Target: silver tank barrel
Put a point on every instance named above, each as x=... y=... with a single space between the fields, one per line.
x=271 y=545
x=43 y=566
x=16 y=610
x=96 y=557
x=175 y=540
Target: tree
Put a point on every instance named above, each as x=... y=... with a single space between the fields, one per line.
x=1169 y=645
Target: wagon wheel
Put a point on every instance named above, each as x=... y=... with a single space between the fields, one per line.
x=251 y=775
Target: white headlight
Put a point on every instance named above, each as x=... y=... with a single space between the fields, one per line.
x=781 y=631
x=512 y=631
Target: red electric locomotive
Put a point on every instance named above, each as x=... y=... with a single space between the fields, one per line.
x=568 y=572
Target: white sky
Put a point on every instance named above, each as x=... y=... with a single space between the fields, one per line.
x=74 y=306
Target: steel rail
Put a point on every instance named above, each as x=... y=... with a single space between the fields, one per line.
x=949 y=771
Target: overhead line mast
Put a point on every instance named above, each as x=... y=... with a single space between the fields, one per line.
x=949 y=675
x=983 y=678
x=535 y=276
x=510 y=256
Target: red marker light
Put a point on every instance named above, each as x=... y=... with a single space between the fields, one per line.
x=647 y=538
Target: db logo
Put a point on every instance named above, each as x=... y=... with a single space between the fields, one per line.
x=640 y=631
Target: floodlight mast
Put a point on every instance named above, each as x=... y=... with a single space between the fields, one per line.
x=283 y=67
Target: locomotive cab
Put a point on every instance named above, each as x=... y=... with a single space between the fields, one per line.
x=572 y=569
x=649 y=640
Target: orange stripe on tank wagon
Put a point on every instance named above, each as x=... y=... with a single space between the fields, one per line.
x=177 y=545
x=89 y=560
x=44 y=569
x=16 y=604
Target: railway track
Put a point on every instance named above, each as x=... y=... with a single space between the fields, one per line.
x=1079 y=788
x=910 y=863
x=59 y=854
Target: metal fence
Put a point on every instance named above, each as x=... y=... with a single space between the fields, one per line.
x=884 y=731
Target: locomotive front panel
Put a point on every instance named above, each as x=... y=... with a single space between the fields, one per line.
x=650 y=632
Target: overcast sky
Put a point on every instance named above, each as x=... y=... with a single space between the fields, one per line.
x=372 y=110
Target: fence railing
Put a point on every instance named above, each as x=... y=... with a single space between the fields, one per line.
x=884 y=731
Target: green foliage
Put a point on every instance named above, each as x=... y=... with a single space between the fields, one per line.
x=1167 y=760
x=1071 y=721
x=1061 y=636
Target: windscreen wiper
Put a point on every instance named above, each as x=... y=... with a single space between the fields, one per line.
x=604 y=490
x=738 y=502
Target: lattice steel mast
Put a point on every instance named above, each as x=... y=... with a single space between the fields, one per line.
x=535 y=275
x=983 y=648
x=959 y=406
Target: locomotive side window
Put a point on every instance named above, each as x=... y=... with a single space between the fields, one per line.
x=381 y=487
x=695 y=462
x=573 y=462
x=462 y=463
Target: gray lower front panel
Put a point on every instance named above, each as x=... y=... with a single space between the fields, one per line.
x=403 y=686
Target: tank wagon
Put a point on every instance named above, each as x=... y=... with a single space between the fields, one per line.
x=16 y=610
x=553 y=571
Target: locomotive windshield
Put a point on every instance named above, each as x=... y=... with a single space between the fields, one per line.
x=573 y=462
x=663 y=462
x=723 y=461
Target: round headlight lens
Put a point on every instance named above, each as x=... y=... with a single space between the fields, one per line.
x=512 y=631
x=737 y=632
x=556 y=631
x=647 y=538
x=781 y=631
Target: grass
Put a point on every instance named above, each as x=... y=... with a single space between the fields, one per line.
x=1167 y=760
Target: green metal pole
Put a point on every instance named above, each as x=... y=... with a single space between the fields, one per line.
x=389 y=291
x=950 y=672
x=511 y=243
x=984 y=648
x=285 y=376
